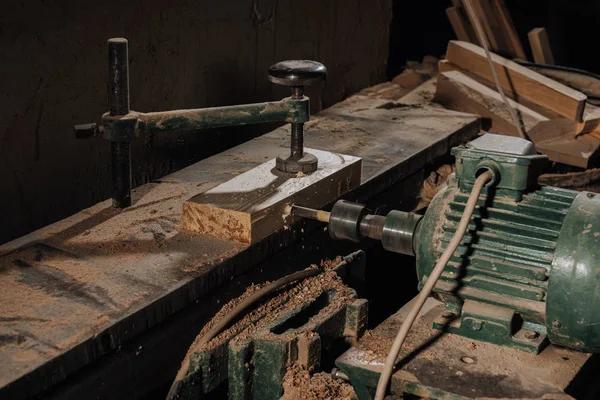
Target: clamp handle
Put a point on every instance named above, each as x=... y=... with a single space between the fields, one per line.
x=297 y=73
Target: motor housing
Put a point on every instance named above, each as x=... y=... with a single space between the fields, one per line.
x=528 y=268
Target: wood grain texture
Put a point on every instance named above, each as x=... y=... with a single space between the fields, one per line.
x=491 y=26
x=256 y=203
x=509 y=30
x=561 y=139
x=461 y=27
x=540 y=46
x=520 y=81
x=457 y=91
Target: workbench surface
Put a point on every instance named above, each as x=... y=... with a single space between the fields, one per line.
x=82 y=287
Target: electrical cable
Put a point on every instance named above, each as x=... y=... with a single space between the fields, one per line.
x=388 y=368
x=230 y=316
x=483 y=41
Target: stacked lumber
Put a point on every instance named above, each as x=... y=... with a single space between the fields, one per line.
x=499 y=30
x=555 y=117
x=496 y=22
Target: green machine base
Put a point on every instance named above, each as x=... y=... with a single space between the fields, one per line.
x=436 y=364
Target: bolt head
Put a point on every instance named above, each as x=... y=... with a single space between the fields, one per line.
x=591 y=195
x=556 y=324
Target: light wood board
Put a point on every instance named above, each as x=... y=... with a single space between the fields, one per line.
x=540 y=46
x=457 y=91
x=257 y=203
x=519 y=80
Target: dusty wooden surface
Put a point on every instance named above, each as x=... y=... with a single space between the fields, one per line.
x=82 y=287
x=257 y=203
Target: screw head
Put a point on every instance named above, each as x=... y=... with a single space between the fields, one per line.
x=590 y=195
x=556 y=324
x=477 y=324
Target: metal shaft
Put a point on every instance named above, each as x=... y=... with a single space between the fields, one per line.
x=310 y=213
x=297 y=144
x=118 y=104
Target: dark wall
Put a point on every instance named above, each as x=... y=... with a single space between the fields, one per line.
x=183 y=54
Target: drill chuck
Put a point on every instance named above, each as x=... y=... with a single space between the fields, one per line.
x=352 y=221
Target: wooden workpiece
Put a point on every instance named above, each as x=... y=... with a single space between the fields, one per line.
x=81 y=288
x=257 y=203
x=517 y=80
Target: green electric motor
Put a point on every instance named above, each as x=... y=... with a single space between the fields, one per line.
x=528 y=268
x=529 y=265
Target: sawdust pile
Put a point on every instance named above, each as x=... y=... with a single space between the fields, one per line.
x=280 y=303
x=299 y=384
x=433 y=184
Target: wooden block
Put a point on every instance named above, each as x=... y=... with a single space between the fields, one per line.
x=519 y=80
x=255 y=204
x=540 y=46
x=460 y=25
x=458 y=92
x=509 y=30
x=581 y=151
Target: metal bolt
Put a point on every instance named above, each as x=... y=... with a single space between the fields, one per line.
x=556 y=324
x=339 y=374
x=477 y=324
x=590 y=195
x=448 y=315
x=530 y=335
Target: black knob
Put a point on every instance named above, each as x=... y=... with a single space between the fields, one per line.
x=297 y=72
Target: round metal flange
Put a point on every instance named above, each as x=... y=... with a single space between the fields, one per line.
x=307 y=164
x=344 y=220
x=297 y=72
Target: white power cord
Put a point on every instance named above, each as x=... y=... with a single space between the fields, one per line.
x=388 y=368
x=483 y=41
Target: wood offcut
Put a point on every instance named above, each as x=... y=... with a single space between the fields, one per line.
x=540 y=46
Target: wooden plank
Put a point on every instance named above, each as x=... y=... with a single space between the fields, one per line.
x=581 y=151
x=587 y=85
x=491 y=26
x=256 y=203
x=509 y=30
x=457 y=91
x=540 y=46
x=460 y=25
x=559 y=138
x=521 y=81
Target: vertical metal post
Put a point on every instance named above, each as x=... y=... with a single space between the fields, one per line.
x=297 y=129
x=118 y=104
